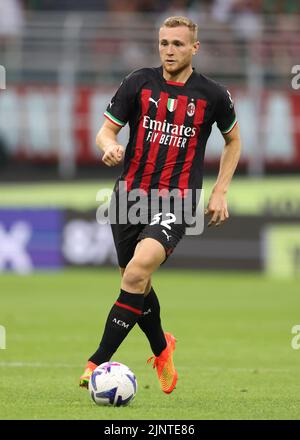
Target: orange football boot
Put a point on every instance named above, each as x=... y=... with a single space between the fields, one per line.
x=167 y=375
x=85 y=378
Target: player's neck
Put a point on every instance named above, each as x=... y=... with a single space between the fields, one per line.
x=180 y=77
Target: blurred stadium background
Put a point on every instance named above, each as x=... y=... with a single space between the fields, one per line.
x=63 y=61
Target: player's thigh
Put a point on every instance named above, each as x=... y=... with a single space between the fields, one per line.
x=149 y=283
x=149 y=254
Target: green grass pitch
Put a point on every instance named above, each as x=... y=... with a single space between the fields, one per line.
x=234 y=354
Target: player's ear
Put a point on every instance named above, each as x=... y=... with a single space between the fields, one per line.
x=196 y=47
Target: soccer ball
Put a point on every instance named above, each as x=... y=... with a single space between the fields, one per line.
x=112 y=384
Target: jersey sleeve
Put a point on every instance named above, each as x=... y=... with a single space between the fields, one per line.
x=120 y=107
x=225 y=112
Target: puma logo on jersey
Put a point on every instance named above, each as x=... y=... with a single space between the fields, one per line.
x=155 y=102
x=167 y=235
x=147 y=312
x=120 y=323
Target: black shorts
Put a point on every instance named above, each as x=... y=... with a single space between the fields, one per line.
x=160 y=226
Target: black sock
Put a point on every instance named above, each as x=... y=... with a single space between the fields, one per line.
x=121 y=319
x=150 y=323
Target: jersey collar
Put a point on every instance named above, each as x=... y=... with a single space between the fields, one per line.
x=175 y=83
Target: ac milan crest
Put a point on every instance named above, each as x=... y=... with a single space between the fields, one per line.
x=191 y=109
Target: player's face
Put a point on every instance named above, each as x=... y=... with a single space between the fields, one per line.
x=176 y=49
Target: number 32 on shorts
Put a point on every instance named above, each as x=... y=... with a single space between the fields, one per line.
x=157 y=219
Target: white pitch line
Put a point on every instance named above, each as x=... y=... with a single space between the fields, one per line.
x=37 y=365
x=240 y=370
x=207 y=370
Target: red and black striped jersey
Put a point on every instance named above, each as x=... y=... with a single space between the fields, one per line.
x=170 y=123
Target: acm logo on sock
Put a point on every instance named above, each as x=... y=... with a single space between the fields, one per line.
x=121 y=323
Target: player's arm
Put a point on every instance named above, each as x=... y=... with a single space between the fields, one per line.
x=107 y=141
x=217 y=205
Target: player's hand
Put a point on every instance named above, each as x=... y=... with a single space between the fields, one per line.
x=113 y=155
x=217 y=208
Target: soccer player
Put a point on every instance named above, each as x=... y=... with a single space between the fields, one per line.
x=170 y=110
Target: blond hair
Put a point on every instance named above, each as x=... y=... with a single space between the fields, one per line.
x=182 y=21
